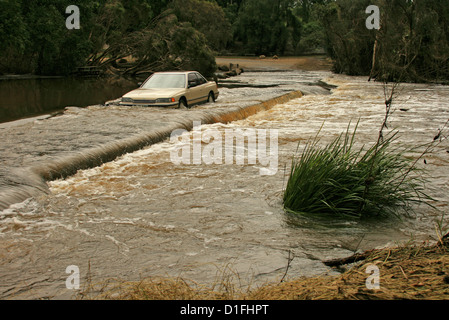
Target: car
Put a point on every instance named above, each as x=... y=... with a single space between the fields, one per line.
x=172 y=89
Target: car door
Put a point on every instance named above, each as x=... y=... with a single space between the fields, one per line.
x=194 y=89
x=204 y=87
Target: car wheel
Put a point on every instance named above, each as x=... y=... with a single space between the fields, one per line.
x=182 y=104
x=211 y=97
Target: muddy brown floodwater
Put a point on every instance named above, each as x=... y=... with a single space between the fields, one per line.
x=142 y=215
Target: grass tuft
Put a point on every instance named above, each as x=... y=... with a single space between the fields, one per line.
x=342 y=180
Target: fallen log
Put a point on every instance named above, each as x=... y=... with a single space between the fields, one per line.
x=443 y=241
x=348 y=260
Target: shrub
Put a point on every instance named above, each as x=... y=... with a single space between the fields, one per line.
x=340 y=179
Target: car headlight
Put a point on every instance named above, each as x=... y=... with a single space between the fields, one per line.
x=127 y=100
x=165 y=100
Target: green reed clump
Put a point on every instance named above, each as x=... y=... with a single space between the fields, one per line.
x=340 y=179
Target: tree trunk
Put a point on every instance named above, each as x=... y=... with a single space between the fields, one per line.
x=373 y=67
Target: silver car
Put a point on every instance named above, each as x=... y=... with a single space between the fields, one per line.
x=172 y=89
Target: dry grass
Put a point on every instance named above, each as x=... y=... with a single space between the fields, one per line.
x=151 y=289
x=407 y=272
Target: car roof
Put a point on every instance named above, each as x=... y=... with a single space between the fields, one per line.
x=174 y=72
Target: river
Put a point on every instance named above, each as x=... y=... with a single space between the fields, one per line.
x=142 y=215
x=25 y=96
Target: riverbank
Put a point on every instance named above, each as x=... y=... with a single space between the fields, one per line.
x=305 y=63
x=411 y=272
x=406 y=272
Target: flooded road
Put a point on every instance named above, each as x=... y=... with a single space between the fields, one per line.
x=141 y=215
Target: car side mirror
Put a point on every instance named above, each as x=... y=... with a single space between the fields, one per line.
x=192 y=83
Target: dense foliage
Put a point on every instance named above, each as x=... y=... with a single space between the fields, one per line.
x=412 y=43
x=36 y=40
x=149 y=35
x=144 y=35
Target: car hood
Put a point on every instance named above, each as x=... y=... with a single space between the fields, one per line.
x=153 y=93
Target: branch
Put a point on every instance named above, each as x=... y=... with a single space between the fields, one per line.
x=351 y=259
x=289 y=261
x=436 y=141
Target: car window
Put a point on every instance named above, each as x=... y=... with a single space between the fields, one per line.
x=201 y=79
x=193 y=79
x=165 y=81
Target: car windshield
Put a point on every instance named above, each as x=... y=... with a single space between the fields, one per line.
x=165 y=81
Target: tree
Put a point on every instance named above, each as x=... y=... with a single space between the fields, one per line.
x=419 y=39
x=166 y=44
x=267 y=26
x=206 y=17
x=14 y=34
x=411 y=45
x=350 y=43
x=312 y=36
x=35 y=38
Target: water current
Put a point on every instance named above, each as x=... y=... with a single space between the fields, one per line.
x=142 y=215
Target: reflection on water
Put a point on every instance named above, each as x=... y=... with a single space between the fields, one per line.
x=27 y=97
